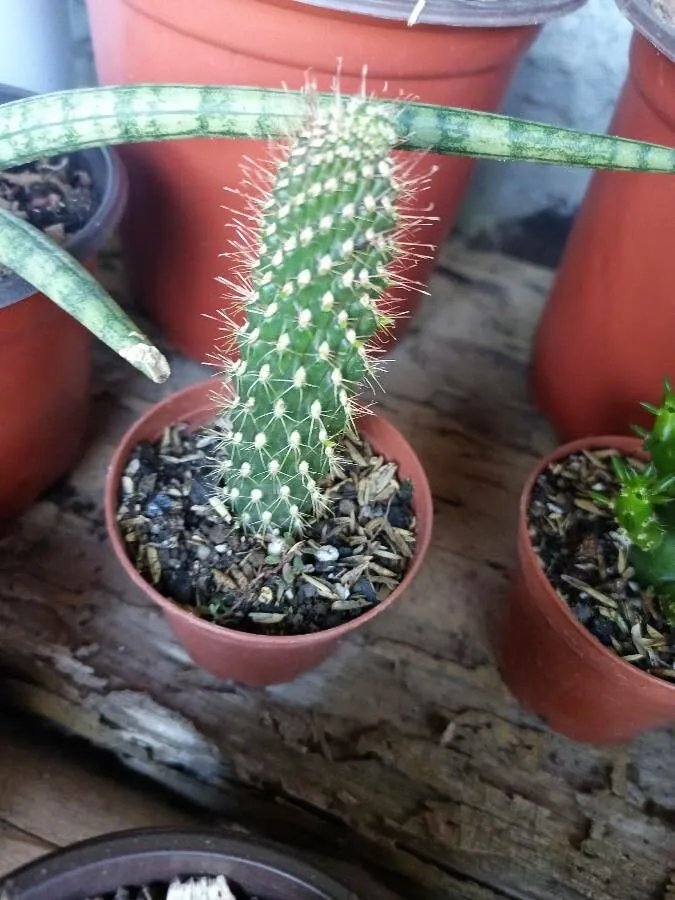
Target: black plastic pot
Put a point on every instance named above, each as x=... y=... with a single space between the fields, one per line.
x=135 y=858
x=111 y=188
x=45 y=354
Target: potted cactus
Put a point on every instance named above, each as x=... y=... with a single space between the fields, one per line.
x=588 y=637
x=309 y=517
x=280 y=447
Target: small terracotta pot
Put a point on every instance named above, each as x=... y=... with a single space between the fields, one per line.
x=134 y=858
x=45 y=356
x=556 y=667
x=175 y=239
x=255 y=659
x=604 y=341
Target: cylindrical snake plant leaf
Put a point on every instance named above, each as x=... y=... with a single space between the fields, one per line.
x=67 y=121
x=36 y=258
x=91 y=117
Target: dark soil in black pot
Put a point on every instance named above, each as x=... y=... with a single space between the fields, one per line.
x=181 y=538
x=54 y=194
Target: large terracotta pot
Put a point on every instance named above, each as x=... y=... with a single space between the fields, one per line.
x=556 y=667
x=605 y=339
x=176 y=241
x=45 y=357
x=255 y=659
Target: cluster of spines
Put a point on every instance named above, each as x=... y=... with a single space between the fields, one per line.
x=328 y=238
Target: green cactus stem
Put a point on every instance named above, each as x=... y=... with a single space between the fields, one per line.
x=644 y=507
x=328 y=248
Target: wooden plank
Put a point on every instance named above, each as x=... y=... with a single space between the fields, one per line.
x=436 y=775
x=18 y=848
x=42 y=790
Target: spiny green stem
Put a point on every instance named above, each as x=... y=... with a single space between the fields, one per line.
x=89 y=117
x=327 y=241
x=37 y=259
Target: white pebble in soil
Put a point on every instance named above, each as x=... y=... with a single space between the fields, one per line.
x=276 y=547
x=327 y=554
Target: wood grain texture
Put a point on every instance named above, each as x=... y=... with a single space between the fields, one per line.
x=434 y=775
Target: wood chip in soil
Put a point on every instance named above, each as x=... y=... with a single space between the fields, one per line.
x=181 y=538
x=586 y=559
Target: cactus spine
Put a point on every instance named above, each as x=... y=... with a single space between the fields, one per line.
x=328 y=235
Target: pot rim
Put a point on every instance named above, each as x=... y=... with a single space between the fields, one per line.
x=112 y=184
x=457 y=13
x=659 y=33
x=201 y=389
x=153 y=843
x=545 y=589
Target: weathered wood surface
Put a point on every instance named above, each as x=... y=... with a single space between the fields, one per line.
x=405 y=746
x=51 y=796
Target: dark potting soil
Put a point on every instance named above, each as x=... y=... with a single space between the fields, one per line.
x=587 y=561
x=212 y=889
x=180 y=536
x=54 y=194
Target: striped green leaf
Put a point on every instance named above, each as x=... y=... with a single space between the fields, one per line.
x=73 y=120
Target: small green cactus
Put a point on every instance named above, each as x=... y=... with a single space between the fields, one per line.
x=644 y=507
x=328 y=244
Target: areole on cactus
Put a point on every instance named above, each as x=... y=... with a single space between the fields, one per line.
x=329 y=242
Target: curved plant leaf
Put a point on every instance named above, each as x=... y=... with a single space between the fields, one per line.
x=90 y=117
x=67 y=121
x=52 y=270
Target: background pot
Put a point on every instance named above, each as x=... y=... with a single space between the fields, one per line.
x=45 y=356
x=555 y=666
x=604 y=341
x=95 y=867
x=250 y=658
x=174 y=235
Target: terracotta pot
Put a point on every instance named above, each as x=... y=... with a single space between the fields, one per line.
x=45 y=357
x=254 y=659
x=604 y=341
x=95 y=867
x=556 y=667
x=174 y=234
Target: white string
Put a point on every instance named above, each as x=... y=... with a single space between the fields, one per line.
x=416 y=12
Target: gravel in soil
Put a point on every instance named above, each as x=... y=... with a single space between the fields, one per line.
x=55 y=194
x=587 y=561
x=180 y=536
